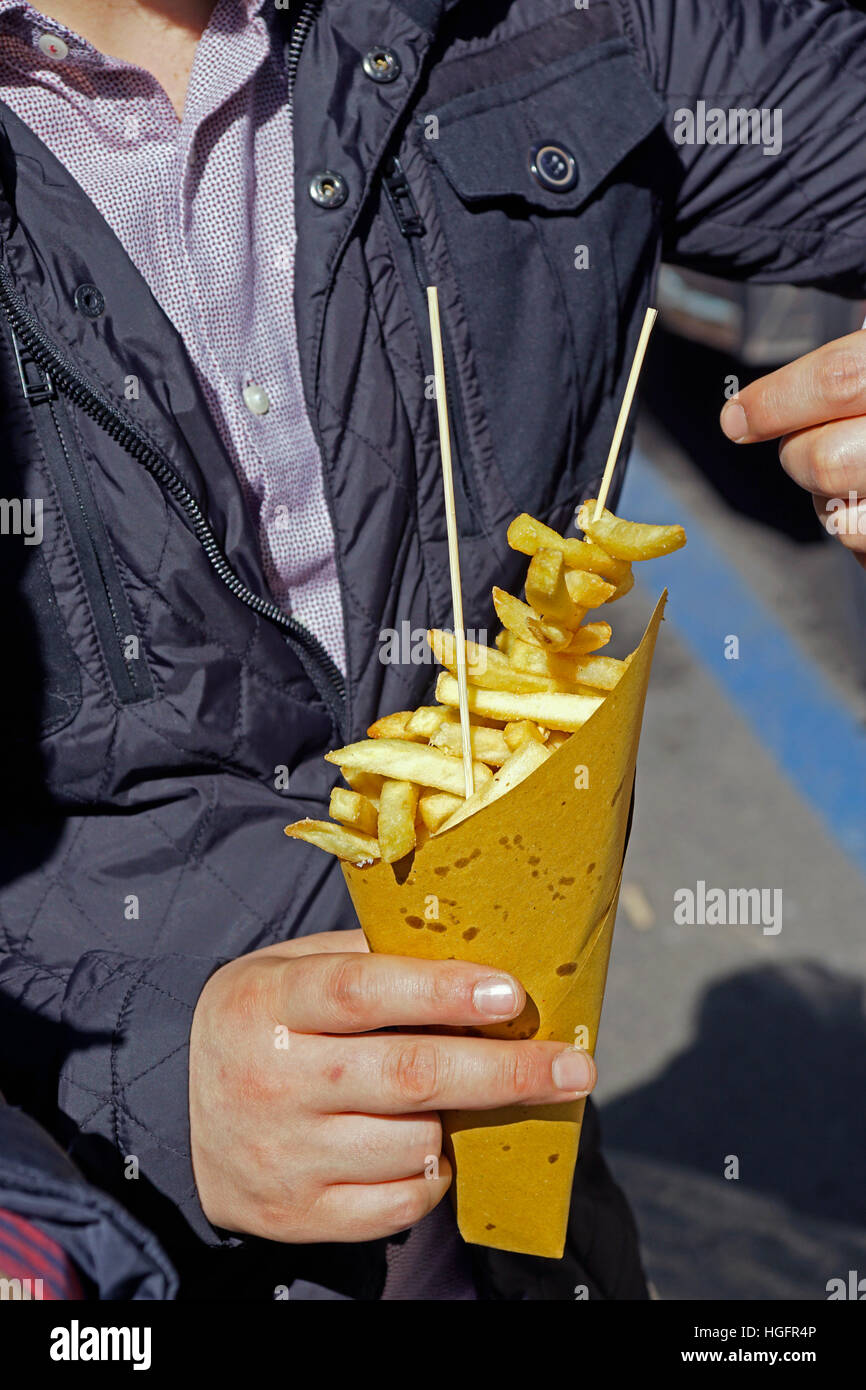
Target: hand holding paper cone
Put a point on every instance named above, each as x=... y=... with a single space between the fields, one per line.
x=524 y=876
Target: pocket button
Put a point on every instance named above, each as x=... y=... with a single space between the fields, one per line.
x=553 y=166
x=89 y=301
x=382 y=65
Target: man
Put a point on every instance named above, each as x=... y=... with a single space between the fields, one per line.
x=217 y=224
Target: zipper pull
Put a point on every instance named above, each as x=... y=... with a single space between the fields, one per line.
x=37 y=390
x=400 y=197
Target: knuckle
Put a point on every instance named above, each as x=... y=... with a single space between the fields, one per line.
x=825 y=465
x=408 y=1207
x=523 y=1074
x=414 y=1072
x=841 y=376
x=246 y=998
x=347 y=992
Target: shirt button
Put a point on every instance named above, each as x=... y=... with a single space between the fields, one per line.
x=553 y=166
x=256 y=400
x=382 y=64
x=53 y=46
x=328 y=189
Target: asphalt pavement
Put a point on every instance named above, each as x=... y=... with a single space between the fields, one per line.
x=731 y=1057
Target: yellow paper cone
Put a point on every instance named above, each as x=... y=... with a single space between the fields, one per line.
x=528 y=885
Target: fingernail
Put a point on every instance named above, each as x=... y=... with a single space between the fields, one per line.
x=574 y=1070
x=496 y=996
x=734 y=422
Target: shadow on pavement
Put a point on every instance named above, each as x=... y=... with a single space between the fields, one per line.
x=775 y=1077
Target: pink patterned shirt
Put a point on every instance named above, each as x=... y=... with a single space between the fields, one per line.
x=203 y=207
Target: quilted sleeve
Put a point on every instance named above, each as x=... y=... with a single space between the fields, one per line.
x=764 y=135
x=124 y=1079
x=115 y=1256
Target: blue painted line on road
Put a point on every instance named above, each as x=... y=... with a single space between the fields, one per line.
x=812 y=735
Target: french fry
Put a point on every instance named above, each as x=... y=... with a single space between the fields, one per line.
x=624 y=586
x=529 y=536
x=404 y=761
x=494 y=671
x=589 y=638
x=397 y=806
x=336 y=839
x=552 y=710
x=548 y=592
x=629 y=540
x=488 y=745
x=425 y=721
x=391 y=725
x=434 y=808
x=588 y=590
x=601 y=672
x=525 y=623
x=363 y=782
x=517 y=767
x=522 y=731
x=354 y=810
x=556 y=740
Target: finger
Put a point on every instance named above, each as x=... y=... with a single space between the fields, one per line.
x=361 y=1211
x=376 y=1148
x=845 y=522
x=829 y=460
x=398 y=1073
x=354 y=993
x=318 y=943
x=828 y=384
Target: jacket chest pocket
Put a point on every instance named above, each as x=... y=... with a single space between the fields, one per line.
x=540 y=192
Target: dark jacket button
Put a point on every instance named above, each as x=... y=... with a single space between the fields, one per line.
x=328 y=189
x=382 y=64
x=89 y=301
x=553 y=166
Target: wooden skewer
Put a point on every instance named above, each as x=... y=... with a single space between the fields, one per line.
x=625 y=409
x=451 y=523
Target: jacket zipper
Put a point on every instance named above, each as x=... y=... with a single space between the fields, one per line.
x=412 y=227
x=109 y=605
x=307 y=16
x=62 y=374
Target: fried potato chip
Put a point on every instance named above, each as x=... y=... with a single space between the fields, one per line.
x=353 y=809
x=336 y=839
x=434 y=808
x=518 y=766
x=529 y=536
x=551 y=710
x=629 y=540
x=525 y=623
x=404 y=761
x=397 y=806
x=488 y=745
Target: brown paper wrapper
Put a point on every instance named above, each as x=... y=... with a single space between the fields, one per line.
x=529 y=885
